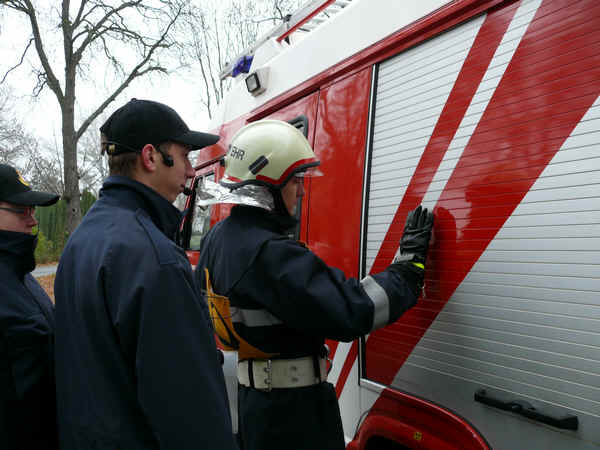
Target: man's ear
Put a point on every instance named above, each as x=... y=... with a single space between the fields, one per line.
x=148 y=158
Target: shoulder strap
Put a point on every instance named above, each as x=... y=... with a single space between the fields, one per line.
x=220 y=315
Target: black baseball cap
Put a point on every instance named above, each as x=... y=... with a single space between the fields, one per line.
x=14 y=189
x=141 y=122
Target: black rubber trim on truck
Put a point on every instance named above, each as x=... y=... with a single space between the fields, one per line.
x=362 y=354
x=523 y=408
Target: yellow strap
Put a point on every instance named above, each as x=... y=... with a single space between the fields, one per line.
x=220 y=315
x=419 y=265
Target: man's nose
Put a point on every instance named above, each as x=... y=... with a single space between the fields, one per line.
x=189 y=169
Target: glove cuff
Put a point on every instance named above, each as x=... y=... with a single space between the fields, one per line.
x=412 y=273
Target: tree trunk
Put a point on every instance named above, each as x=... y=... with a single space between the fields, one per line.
x=70 y=138
x=71 y=195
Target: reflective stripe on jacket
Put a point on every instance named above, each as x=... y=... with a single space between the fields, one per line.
x=284 y=298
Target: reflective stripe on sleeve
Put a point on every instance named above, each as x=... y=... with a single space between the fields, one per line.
x=381 y=302
x=253 y=317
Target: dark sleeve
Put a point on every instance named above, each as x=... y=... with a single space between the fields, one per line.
x=298 y=287
x=28 y=348
x=179 y=377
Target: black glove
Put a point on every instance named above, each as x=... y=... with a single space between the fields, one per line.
x=413 y=248
x=415 y=240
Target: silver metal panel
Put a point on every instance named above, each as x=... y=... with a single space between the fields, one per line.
x=531 y=385
x=412 y=89
x=443 y=351
x=497 y=323
x=545 y=304
x=526 y=320
x=418 y=59
x=552 y=282
x=565 y=295
x=520 y=341
x=504 y=430
x=501 y=347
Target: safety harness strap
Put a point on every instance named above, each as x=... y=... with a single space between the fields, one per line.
x=221 y=317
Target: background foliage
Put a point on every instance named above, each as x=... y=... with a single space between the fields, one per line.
x=85 y=55
x=51 y=228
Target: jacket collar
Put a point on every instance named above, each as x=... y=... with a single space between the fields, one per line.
x=17 y=251
x=135 y=195
x=275 y=222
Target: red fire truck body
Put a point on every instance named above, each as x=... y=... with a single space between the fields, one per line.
x=487 y=111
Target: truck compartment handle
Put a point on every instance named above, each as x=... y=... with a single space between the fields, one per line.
x=525 y=409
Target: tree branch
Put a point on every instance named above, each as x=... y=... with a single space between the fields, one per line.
x=133 y=74
x=93 y=33
x=27 y=8
x=51 y=79
x=77 y=20
x=19 y=63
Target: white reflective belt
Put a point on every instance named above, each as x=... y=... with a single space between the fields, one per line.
x=270 y=374
x=381 y=302
x=253 y=317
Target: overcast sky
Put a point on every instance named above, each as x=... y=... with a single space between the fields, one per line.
x=180 y=90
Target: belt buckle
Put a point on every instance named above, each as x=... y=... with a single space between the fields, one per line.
x=269 y=373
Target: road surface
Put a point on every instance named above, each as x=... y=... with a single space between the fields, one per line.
x=42 y=271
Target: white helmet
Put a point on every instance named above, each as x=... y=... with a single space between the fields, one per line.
x=268 y=153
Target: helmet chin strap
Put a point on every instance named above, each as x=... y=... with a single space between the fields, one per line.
x=280 y=213
x=280 y=208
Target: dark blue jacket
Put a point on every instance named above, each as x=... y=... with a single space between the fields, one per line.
x=136 y=362
x=27 y=395
x=285 y=301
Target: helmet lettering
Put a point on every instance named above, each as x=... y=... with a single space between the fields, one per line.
x=236 y=152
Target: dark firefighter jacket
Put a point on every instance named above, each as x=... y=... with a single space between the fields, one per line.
x=27 y=393
x=285 y=300
x=136 y=361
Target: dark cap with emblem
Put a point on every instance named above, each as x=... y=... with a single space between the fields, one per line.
x=141 y=122
x=14 y=189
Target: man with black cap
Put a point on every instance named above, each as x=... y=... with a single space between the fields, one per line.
x=136 y=361
x=27 y=393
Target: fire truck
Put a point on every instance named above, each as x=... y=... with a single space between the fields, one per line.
x=487 y=111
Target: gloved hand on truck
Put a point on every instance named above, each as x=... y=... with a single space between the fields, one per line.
x=413 y=247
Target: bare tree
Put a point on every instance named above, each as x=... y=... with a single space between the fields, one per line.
x=93 y=165
x=15 y=143
x=222 y=30
x=127 y=37
x=45 y=170
x=40 y=162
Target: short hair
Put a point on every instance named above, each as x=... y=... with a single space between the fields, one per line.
x=124 y=163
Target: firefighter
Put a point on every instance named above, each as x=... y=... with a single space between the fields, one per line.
x=275 y=301
x=27 y=397
x=136 y=361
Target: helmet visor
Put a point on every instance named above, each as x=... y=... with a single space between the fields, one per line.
x=310 y=172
